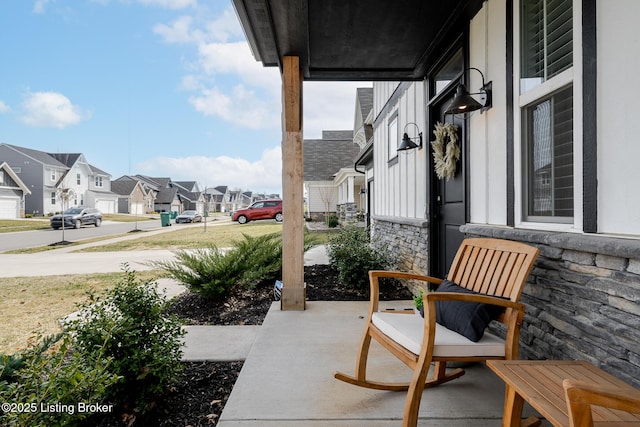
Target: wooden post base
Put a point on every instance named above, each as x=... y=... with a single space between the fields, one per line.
x=293 y=298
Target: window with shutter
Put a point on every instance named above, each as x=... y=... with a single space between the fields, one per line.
x=549 y=157
x=547 y=113
x=546 y=40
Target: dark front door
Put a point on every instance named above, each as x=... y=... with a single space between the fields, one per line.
x=448 y=197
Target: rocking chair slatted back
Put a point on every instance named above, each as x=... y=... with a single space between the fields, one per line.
x=493 y=267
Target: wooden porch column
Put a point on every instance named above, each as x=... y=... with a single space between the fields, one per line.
x=293 y=292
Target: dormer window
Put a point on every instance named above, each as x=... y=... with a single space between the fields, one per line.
x=98 y=181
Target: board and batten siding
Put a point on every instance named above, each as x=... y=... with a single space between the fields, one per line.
x=400 y=179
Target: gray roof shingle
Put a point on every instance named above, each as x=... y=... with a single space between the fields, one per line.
x=325 y=157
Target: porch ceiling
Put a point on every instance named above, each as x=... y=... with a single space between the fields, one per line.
x=351 y=39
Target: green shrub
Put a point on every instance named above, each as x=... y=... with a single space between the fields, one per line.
x=212 y=272
x=353 y=254
x=332 y=221
x=207 y=271
x=130 y=327
x=47 y=387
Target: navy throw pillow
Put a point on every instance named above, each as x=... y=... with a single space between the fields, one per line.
x=469 y=319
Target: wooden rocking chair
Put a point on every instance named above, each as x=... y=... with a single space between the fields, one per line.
x=496 y=271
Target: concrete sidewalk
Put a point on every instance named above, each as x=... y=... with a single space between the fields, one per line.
x=287 y=378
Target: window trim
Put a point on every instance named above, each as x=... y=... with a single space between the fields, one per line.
x=392 y=155
x=572 y=76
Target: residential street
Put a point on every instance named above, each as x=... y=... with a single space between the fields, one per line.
x=29 y=239
x=67 y=260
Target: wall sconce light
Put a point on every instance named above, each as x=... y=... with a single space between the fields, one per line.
x=407 y=143
x=463 y=102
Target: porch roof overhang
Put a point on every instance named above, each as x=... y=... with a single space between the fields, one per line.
x=353 y=40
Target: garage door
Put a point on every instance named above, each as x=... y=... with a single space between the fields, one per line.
x=9 y=207
x=106 y=206
x=137 y=208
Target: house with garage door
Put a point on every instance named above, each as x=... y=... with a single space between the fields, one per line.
x=48 y=174
x=12 y=193
x=497 y=118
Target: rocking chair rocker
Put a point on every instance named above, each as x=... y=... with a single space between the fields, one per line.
x=488 y=272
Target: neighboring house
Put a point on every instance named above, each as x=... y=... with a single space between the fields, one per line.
x=191 y=196
x=239 y=199
x=166 y=194
x=218 y=197
x=46 y=174
x=331 y=183
x=12 y=193
x=131 y=196
x=129 y=200
x=551 y=163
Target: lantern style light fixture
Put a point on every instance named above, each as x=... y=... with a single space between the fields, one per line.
x=407 y=143
x=463 y=102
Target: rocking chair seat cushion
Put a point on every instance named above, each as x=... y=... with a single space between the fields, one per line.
x=408 y=331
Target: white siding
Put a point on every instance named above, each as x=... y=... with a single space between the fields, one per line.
x=400 y=186
x=322 y=195
x=618 y=125
x=487 y=145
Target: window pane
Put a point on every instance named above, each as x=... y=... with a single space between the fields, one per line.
x=451 y=70
x=546 y=40
x=550 y=157
x=393 y=138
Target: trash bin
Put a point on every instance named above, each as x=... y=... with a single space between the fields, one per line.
x=165 y=219
x=174 y=214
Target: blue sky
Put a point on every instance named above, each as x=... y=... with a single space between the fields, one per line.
x=157 y=87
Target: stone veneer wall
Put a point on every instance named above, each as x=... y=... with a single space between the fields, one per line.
x=407 y=240
x=582 y=298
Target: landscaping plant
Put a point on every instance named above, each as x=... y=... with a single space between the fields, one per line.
x=212 y=272
x=353 y=253
x=48 y=388
x=129 y=326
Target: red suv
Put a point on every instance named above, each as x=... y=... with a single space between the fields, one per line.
x=264 y=209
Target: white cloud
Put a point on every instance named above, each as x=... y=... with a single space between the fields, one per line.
x=169 y=4
x=227 y=82
x=329 y=106
x=241 y=107
x=179 y=31
x=225 y=27
x=51 y=109
x=38 y=6
x=4 y=107
x=264 y=175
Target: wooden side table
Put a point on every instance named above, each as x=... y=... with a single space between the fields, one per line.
x=539 y=382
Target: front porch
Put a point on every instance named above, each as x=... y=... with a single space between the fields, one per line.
x=287 y=378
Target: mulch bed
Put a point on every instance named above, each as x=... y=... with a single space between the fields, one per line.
x=200 y=394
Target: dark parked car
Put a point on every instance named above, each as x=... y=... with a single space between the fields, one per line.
x=77 y=217
x=189 y=216
x=264 y=209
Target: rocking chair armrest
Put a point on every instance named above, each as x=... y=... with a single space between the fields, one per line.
x=375 y=275
x=581 y=393
x=485 y=299
x=512 y=317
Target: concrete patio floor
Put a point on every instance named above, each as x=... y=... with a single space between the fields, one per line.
x=287 y=379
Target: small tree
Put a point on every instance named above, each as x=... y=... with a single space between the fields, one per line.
x=327 y=195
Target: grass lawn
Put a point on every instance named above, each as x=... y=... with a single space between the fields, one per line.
x=195 y=237
x=11 y=225
x=34 y=305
